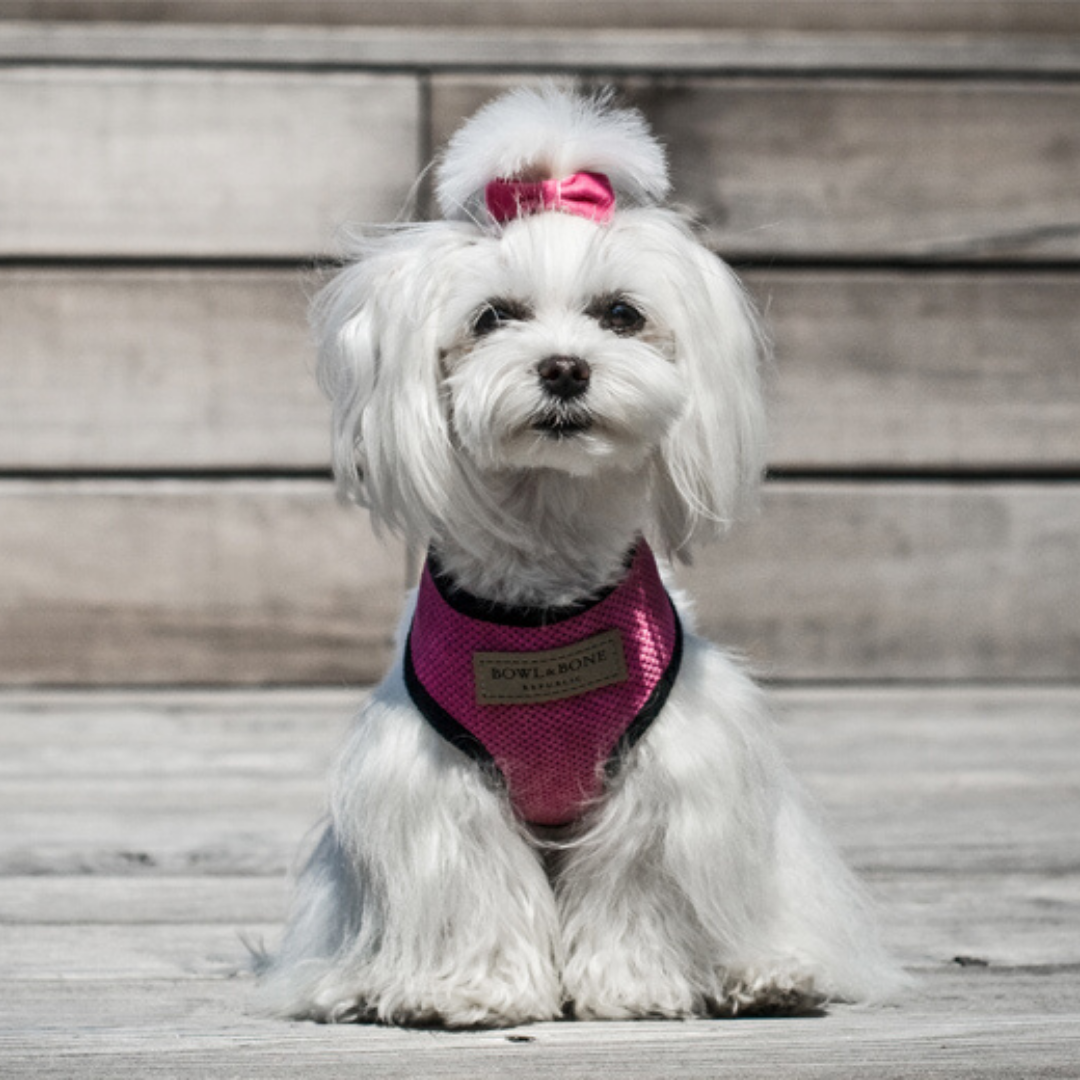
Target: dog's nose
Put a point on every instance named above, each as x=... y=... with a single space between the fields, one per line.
x=564 y=376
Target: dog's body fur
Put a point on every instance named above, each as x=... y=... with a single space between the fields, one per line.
x=697 y=884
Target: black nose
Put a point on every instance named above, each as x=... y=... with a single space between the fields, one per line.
x=564 y=376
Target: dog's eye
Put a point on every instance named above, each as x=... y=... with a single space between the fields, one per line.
x=492 y=317
x=622 y=317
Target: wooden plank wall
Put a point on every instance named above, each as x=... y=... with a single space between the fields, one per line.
x=897 y=182
x=955 y=16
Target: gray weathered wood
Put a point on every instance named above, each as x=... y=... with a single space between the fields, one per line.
x=192 y=582
x=233 y=582
x=175 y=843
x=913 y=371
x=200 y=1005
x=920 y=170
x=590 y=48
x=140 y=832
x=558 y=48
x=92 y=953
x=1007 y=919
x=874 y=169
x=944 y=778
x=106 y=976
x=916 y=782
x=155 y=899
x=993 y=825
x=189 y=369
x=998 y=1038
x=898 y=581
x=142 y=369
x=979 y=16
x=206 y=733
x=997 y=931
x=158 y=161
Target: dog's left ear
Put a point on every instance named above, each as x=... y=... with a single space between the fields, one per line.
x=713 y=458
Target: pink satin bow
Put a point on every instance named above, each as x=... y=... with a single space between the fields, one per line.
x=587 y=194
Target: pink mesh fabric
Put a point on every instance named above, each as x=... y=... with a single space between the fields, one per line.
x=552 y=754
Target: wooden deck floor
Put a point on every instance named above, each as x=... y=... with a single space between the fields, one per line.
x=142 y=832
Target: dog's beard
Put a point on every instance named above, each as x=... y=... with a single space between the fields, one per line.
x=503 y=417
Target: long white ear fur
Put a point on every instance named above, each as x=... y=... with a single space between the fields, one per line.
x=711 y=462
x=376 y=325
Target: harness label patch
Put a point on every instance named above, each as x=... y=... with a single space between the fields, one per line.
x=519 y=678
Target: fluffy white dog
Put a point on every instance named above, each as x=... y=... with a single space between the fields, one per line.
x=559 y=801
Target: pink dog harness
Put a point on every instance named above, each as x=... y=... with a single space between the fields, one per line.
x=551 y=697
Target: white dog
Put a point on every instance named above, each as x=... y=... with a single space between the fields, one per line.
x=559 y=801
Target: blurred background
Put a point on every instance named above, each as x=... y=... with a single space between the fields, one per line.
x=898 y=181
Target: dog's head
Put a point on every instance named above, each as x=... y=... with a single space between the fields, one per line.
x=558 y=320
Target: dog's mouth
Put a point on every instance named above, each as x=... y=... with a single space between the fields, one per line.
x=562 y=425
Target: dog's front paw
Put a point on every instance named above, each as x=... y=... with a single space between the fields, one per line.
x=483 y=1004
x=615 y=986
x=771 y=990
x=489 y=1005
x=613 y=989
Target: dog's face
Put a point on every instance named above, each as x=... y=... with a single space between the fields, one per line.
x=557 y=351
x=554 y=345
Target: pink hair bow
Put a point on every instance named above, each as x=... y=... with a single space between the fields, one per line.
x=587 y=194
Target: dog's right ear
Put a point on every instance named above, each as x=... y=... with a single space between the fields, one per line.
x=377 y=325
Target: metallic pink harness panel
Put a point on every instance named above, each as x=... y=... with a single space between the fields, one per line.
x=542 y=694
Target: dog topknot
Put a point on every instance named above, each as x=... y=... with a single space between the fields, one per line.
x=550 y=132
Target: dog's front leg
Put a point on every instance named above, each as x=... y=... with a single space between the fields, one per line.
x=628 y=933
x=703 y=885
x=669 y=899
x=423 y=904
